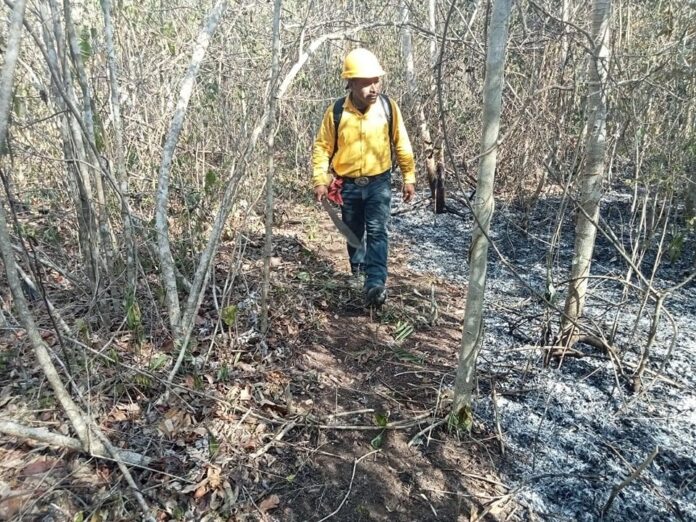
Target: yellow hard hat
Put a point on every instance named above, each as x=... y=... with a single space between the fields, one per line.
x=361 y=63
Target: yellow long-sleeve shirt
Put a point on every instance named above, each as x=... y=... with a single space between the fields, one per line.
x=363 y=144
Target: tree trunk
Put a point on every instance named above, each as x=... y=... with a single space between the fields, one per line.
x=120 y=160
x=268 y=246
x=437 y=189
x=72 y=140
x=40 y=348
x=108 y=246
x=592 y=174
x=483 y=206
x=164 y=251
x=11 y=54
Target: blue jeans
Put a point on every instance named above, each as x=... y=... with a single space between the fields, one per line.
x=366 y=210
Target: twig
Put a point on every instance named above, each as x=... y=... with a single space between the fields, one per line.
x=147 y=512
x=425 y=430
x=398 y=425
x=350 y=486
x=275 y=439
x=348 y=413
x=494 y=398
x=633 y=476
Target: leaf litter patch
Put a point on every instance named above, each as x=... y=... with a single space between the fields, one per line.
x=573 y=432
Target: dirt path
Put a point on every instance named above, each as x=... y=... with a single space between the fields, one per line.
x=366 y=375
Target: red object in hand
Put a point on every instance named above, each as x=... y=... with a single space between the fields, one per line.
x=335 y=191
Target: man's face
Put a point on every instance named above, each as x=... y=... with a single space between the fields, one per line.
x=365 y=90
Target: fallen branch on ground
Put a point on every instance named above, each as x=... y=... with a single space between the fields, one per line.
x=20 y=431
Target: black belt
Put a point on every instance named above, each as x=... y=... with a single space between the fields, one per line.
x=363 y=181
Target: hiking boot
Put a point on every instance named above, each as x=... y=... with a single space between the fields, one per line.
x=375 y=296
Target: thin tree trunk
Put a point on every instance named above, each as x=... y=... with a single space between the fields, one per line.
x=119 y=161
x=14 y=37
x=164 y=251
x=268 y=246
x=483 y=206
x=592 y=175
x=40 y=348
x=437 y=187
x=432 y=25
x=14 y=429
x=102 y=218
x=82 y=193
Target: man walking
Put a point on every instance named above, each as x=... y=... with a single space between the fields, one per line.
x=352 y=165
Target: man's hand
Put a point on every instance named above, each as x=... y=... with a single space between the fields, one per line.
x=320 y=192
x=409 y=191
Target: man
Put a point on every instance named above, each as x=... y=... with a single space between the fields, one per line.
x=353 y=158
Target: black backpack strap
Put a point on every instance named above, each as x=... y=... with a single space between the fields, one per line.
x=387 y=106
x=337 y=114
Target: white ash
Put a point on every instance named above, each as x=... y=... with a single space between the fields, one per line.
x=576 y=431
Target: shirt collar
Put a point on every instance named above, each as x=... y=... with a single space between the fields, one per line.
x=348 y=104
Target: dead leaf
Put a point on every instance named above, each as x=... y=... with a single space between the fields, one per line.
x=214 y=478
x=39 y=467
x=202 y=489
x=269 y=503
x=12 y=504
x=244 y=395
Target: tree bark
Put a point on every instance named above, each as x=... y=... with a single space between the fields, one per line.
x=164 y=251
x=483 y=206
x=268 y=245
x=592 y=174
x=72 y=140
x=14 y=429
x=436 y=183
x=10 y=60
x=40 y=348
x=119 y=160
x=108 y=246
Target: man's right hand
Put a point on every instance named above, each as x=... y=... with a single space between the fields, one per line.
x=320 y=192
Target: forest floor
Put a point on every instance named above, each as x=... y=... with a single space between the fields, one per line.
x=339 y=413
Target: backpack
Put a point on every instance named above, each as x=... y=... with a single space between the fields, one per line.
x=338 y=113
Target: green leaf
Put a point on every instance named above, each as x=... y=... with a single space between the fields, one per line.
x=133 y=315
x=381 y=419
x=229 y=315
x=290 y=478
x=405 y=355
x=223 y=373
x=675 y=248
x=85 y=45
x=304 y=277
x=158 y=361
x=168 y=30
x=403 y=331
x=211 y=180
x=213 y=445
x=377 y=441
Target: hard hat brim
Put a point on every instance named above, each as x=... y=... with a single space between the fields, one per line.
x=378 y=73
